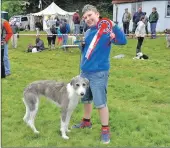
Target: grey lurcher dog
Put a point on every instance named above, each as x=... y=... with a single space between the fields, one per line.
x=65 y=96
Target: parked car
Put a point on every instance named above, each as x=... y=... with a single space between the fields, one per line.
x=22 y=21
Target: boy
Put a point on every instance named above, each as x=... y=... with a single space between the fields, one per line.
x=96 y=70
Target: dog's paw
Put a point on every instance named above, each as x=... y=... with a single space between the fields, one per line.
x=65 y=137
x=36 y=132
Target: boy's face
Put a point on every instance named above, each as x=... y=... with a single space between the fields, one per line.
x=91 y=18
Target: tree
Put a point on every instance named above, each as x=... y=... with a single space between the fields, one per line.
x=14 y=7
x=105 y=8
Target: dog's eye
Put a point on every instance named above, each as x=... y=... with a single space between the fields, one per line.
x=84 y=84
x=77 y=85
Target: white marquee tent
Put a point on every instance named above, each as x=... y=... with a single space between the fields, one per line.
x=52 y=10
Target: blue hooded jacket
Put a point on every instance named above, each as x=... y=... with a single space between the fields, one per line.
x=99 y=59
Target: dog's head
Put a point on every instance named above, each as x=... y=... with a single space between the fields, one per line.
x=80 y=85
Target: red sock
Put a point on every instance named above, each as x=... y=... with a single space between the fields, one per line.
x=86 y=120
x=105 y=127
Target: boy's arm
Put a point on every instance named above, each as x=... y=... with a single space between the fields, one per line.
x=120 y=38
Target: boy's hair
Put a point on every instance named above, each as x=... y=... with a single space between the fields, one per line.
x=89 y=8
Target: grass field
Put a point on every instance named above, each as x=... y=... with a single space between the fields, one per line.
x=138 y=97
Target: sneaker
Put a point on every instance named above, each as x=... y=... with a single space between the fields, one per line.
x=83 y=124
x=105 y=136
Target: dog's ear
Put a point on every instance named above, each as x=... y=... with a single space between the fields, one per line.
x=87 y=81
x=72 y=81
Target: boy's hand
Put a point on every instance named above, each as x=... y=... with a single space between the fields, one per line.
x=112 y=36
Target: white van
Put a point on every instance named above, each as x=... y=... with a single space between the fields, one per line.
x=22 y=21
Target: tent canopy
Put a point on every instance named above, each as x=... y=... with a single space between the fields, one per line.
x=51 y=10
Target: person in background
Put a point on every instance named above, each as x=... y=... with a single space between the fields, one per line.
x=39 y=44
x=46 y=28
x=95 y=67
x=53 y=31
x=59 y=37
x=136 y=18
x=82 y=22
x=140 y=34
x=38 y=27
x=126 y=21
x=15 y=31
x=6 y=33
x=153 y=19
x=57 y=21
x=65 y=29
x=76 y=20
x=83 y=26
x=146 y=23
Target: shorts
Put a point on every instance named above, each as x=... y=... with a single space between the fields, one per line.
x=97 y=92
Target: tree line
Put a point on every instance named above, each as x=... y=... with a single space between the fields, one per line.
x=18 y=7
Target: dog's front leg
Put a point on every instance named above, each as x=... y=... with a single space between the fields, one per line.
x=63 y=128
x=68 y=116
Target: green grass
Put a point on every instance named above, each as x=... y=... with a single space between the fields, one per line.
x=138 y=97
